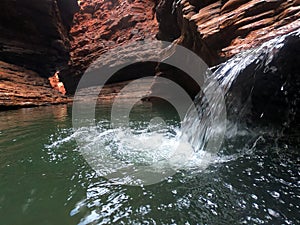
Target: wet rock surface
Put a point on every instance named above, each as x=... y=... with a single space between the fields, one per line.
x=216 y=30
x=266 y=89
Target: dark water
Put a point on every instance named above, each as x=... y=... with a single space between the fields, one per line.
x=42 y=183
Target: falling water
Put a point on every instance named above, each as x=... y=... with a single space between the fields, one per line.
x=150 y=150
x=43 y=171
x=197 y=126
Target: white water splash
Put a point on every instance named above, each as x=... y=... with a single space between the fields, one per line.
x=148 y=155
x=197 y=127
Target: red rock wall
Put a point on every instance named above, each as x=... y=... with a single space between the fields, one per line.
x=214 y=29
x=34 y=44
x=34 y=34
x=101 y=25
x=20 y=87
x=217 y=29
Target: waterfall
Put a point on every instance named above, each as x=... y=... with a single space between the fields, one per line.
x=149 y=151
x=197 y=126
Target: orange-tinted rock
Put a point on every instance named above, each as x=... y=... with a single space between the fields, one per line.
x=214 y=29
x=34 y=43
x=20 y=87
x=56 y=84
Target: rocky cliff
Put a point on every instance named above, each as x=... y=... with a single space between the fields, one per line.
x=35 y=36
x=21 y=87
x=214 y=29
x=218 y=29
x=103 y=25
x=34 y=44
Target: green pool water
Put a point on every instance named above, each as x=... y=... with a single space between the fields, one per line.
x=44 y=183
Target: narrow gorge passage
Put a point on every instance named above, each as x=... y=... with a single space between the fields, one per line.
x=149 y=112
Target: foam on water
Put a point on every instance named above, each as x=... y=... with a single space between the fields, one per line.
x=156 y=148
x=139 y=156
x=155 y=152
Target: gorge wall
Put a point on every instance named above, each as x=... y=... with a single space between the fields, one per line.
x=103 y=25
x=218 y=29
x=214 y=29
x=34 y=44
x=39 y=38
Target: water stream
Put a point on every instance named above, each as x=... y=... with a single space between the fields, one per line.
x=45 y=180
x=198 y=126
x=252 y=178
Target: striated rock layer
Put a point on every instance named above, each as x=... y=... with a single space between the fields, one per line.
x=214 y=29
x=20 y=87
x=34 y=43
x=218 y=29
x=101 y=25
x=35 y=36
